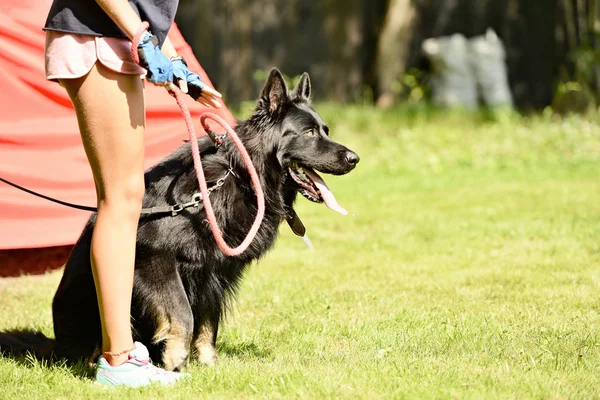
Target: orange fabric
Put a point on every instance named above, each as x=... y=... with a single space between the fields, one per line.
x=40 y=147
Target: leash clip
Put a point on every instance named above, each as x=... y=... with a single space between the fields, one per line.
x=177 y=208
x=195 y=202
x=216 y=139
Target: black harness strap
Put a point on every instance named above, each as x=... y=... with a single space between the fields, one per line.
x=64 y=203
x=215 y=140
x=173 y=210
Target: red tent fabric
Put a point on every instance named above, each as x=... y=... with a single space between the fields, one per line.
x=40 y=147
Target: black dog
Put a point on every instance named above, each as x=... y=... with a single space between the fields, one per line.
x=182 y=279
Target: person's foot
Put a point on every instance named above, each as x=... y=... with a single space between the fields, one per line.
x=135 y=372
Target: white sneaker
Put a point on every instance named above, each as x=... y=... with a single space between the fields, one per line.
x=135 y=372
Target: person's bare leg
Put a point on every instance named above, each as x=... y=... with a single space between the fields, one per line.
x=111 y=115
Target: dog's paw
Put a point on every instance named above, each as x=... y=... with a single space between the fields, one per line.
x=93 y=358
x=207 y=355
x=175 y=358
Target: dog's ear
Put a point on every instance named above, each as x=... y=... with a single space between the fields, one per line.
x=275 y=92
x=302 y=90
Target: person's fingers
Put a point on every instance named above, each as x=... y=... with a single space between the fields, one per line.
x=207 y=103
x=183 y=86
x=206 y=95
x=211 y=100
x=203 y=102
x=211 y=91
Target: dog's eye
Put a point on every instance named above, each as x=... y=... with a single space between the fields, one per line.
x=309 y=132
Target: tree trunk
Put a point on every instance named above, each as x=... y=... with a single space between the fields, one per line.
x=393 y=49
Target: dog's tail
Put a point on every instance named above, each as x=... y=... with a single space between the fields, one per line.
x=19 y=343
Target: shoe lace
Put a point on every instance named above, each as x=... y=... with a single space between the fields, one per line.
x=154 y=369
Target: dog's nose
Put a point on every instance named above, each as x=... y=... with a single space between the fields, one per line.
x=352 y=158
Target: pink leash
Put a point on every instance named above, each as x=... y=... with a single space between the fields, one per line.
x=177 y=94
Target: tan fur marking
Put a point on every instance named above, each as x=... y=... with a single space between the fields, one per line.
x=176 y=353
x=176 y=342
x=94 y=357
x=205 y=351
x=162 y=329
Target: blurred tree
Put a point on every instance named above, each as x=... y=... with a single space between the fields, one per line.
x=579 y=78
x=353 y=47
x=333 y=40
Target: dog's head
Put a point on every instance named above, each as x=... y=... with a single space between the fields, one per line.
x=300 y=139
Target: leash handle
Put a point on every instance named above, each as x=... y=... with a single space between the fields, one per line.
x=135 y=40
x=214 y=226
x=134 y=49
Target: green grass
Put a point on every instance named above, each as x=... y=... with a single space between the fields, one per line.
x=469 y=267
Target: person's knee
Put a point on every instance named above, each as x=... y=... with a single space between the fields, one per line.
x=125 y=198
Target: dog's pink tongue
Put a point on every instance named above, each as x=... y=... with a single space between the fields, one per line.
x=328 y=197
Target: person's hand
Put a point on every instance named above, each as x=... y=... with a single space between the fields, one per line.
x=159 y=67
x=191 y=84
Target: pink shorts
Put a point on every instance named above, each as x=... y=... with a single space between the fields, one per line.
x=71 y=55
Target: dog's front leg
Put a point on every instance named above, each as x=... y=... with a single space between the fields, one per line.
x=176 y=336
x=206 y=340
x=159 y=288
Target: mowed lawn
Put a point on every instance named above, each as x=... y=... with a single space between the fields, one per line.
x=469 y=267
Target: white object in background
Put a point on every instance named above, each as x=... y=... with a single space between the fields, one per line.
x=453 y=81
x=488 y=60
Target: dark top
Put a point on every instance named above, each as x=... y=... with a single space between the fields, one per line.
x=88 y=18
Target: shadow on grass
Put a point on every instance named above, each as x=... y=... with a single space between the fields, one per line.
x=242 y=350
x=33 y=349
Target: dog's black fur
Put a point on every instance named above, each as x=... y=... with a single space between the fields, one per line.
x=182 y=279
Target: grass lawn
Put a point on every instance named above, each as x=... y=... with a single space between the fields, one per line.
x=469 y=267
